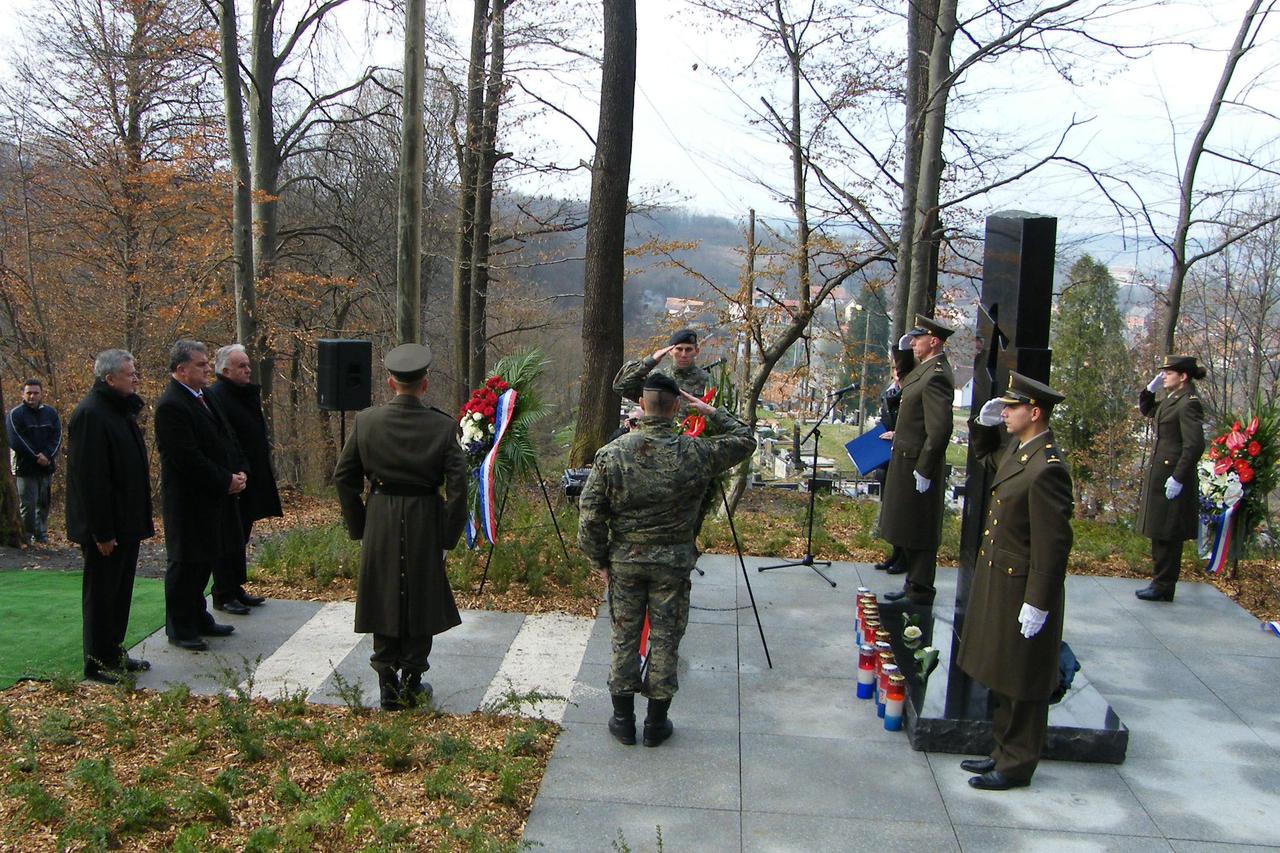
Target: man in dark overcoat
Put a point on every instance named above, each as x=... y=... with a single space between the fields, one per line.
x=915 y=486
x=1012 y=632
x=1169 y=511
x=240 y=402
x=407 y=451
x=200 y=472
x=108 y=509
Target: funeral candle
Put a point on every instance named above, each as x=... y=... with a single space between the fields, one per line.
x=866 y=671
x=882 y=691
x=895 y=698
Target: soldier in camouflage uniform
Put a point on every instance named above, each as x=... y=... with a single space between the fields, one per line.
x=639 y=517
x=683 y=349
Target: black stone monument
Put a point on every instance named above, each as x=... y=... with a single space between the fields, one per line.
x=949 y=711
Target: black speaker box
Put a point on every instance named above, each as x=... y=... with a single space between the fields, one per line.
x=344 y=374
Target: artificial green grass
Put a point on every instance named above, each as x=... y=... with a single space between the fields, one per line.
x=40 y=628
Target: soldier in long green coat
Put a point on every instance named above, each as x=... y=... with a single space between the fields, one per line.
x=1012 y=632
x=683 y=349
x=914 y=489
x=639 y=516
x=408 y=452
x=1169 y=511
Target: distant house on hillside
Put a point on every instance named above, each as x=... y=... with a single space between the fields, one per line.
x=679 y=307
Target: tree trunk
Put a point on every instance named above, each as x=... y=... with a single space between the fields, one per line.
x=266 y=178
x=409 y=217
x=241 y=181
x=921 y=21
x=483 y=220
x=746 y=408
x=1178 y=247
x=606 y=235
x=467 y=205
x=927 y=231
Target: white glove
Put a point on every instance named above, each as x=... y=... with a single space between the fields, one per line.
x=904 y=342
x=1172 y=488
x=990 y=413
x=1156 y=384
x=922 y=483
x=1032 y=619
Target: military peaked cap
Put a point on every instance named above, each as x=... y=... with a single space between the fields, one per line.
x=929 y=326
x=661 y=382
x=1024 y=389
x=408 y=362
x=1180 y=363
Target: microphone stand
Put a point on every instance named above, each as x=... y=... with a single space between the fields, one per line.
x=808 y=560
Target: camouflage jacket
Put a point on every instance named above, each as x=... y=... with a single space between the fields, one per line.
x=642 y=501
x=631 y=376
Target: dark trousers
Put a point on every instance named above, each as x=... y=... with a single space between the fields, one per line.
x=184 y=607
x=1166 y=558
x=922 y=566
x=230 y=573
x=1019 y=728
x=106 y=595
x=33 y=504
x=407 y=654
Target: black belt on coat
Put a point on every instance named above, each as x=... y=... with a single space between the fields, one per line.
x=406 y=490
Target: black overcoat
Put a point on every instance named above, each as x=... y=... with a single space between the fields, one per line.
x=413 y=449
x=198 y=455
x=108 y=480
x=1025 y=544
x=242 y=407
x=908 y=518
x=1179 y=421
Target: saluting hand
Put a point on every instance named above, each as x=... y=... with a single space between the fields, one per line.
x=660 y=354
x=697 y=405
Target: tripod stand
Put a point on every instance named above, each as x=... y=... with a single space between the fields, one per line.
x=808 y=560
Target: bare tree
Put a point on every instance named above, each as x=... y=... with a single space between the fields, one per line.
x=606 y=235
x=409 y=219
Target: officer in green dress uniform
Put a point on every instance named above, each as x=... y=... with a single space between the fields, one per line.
x=1012 y=633
x=408 y=452
x=1169 y=511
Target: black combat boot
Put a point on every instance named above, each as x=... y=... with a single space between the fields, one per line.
x=622 y=725
x=389 y=686
x=657 y=727
x=415 y=691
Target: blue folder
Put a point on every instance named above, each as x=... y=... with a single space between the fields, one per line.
x=869 y=451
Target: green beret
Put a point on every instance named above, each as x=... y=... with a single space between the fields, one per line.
x=684 y=336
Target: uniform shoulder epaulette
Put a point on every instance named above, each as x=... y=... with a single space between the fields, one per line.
x=1052 y=454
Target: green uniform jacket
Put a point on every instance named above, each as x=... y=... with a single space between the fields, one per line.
x=642 y=500
x=1179 y=420
x=907 y=518
x=631 y=376
x=1025 y=543
x=402 y=590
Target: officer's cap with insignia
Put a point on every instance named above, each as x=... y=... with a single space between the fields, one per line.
x=684 y=336
x=1025 y=390
x=1183 y=364
x=661 y=382
x=408 y=362
x=929 y=326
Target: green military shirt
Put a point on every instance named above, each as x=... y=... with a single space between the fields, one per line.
x=631 y=376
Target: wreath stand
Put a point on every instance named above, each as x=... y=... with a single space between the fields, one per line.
x=502 y=508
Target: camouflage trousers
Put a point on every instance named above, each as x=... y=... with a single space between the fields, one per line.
x=663 y=591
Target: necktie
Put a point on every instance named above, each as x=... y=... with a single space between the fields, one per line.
x=200 y=397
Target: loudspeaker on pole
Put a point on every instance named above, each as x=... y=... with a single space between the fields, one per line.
x=344 y=374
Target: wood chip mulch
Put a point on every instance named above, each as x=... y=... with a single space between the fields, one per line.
x=223 y=772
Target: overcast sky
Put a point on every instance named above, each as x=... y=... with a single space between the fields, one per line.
x=693 y=133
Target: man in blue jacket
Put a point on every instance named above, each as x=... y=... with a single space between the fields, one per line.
x=35 y=437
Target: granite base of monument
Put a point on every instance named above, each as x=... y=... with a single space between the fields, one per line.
x=950 y=712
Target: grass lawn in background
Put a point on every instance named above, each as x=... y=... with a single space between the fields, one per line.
x=40 y=627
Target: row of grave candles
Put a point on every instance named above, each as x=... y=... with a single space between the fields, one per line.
x=879 y=677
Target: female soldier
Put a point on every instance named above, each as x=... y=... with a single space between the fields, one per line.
x=1171 y=494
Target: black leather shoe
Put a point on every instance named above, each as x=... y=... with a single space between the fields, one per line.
x=232 y=605
x=102 y=676
x=978 y=765
x=216 y=630
x=1153 y=594
x=136 y=664
x=414 y=691
x=252 y=600
x=896 y=595
x=191 y=645
x=389 y=694
x=896 y=569
x=994 y=780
